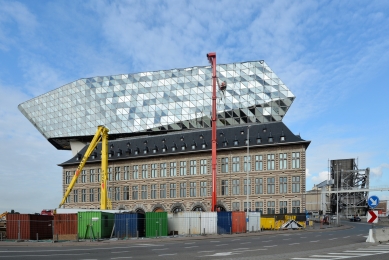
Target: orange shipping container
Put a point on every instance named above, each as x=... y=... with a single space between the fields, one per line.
x=238 y=222
x=65 y=226
x=29 y=226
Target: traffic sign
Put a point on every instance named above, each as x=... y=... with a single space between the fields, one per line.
x=373 y=201
x=372 y=216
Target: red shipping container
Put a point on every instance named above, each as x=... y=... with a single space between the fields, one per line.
x=65 y=226
x=29 y=225
x=238 y=219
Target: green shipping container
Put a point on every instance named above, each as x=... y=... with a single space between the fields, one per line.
x=95 y=224
x=156 y=224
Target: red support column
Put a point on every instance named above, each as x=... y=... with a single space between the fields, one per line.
x=212 y=59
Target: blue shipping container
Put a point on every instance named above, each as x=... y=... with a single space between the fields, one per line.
x=224 y=223
x=129 y=224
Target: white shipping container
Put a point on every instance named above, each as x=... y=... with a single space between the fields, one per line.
x=208 y=223
x=254 y=223
x=187 y=222
x=170 y=223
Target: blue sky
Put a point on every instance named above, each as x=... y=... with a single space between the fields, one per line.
x=333 y=55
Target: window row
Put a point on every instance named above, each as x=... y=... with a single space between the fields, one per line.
x=260 y=187
x=261 y=162
x=269 y=207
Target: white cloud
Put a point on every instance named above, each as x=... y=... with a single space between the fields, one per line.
x=322 y=176
x=307 y=173
x=377 y=171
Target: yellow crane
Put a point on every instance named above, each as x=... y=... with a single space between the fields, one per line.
x=101 y=135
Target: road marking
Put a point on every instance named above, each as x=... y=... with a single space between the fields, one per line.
x=191 y=246
x=119 y=252
x=245 y=243
x=206 y=251
x=222 y=245
x=294 y=244
x=333 y=238
x=267 y=241
x=22 y=256
x=235 y=239
x=167 y=254
x=303 y=237
x=244 y=248
x=270 y=246
x=214 y=241
x=190 y=243
x=122 y=257
x=314 y=241
x=160 y=249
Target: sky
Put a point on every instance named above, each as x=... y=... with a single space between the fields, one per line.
x=333 y=56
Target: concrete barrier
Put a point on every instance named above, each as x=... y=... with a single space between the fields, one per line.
x=378 y=235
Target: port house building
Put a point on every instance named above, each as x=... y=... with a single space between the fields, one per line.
x=160 y=139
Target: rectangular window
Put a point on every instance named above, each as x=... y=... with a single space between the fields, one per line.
x=224 y=187
x=270 y=162
x=83 y=176
x=68 y=177
x=259 y=206
x=163 y=170
x=154 y=170
x=126 y=192
x=271 y=185
x=258 y=186
x=91 y=195
x=145 y=173
x=283 y=161
x=99 y=175
x=235 y=164
x=295 y=184
x=271 y=207
x=173 y=190
x=247 y=163
x=225 y=165
x=283 y=207
x=98 y=194
x=193 y=167
x=110 y=193
x=283 y=185
x=247 y=186
x=134 y=192
x=173 y=169
x=245 y=206
x=183 y=189
x=203 y=166
x=235 y=206
x=183 y=168
x=126 y=175
x=83 y=195
x=91 y=175
x=144 y=192
x=110 y=175
x=117 y=193
x=295 y=160
x=235 y=187
x=117 y=173
x=203 y=189
x=295 y=206
x=153 y=191
x=135 y=172
x=162 y=191
x=75 y=196
x=193 y=189
x=258 y=162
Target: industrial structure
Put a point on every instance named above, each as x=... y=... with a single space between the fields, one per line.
x=160 y=139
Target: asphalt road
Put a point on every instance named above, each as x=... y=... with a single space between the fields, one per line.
x=328 y=243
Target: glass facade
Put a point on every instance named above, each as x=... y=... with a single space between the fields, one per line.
x=158 y=101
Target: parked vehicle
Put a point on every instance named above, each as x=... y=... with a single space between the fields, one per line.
x=355 y=219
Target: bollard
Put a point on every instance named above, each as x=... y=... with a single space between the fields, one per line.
x=137 y=234
x=37 y=238
x=189 y=232
x=204 y=232
x=252 y=228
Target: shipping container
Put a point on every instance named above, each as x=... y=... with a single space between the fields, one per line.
x=208 y=223
x=156 y=224
x=29 y=226
x=95 y=224
x=171 y=223
x=129 y=225
x=224 y=222
x=267 y=223
x=65 y=226
x=254 y=223
x=239 y=224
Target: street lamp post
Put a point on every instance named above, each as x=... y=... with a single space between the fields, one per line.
x=247 y=176
x=337 y=193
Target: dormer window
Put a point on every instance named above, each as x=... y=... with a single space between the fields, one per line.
x=270 y=138
x=259 y=140
x=236 y=142
x=164 y=149
x=110 y=154
x=264 y=130
x=146 y=150
x=174 y=147
x=128 y=152
x=78 y=157
x=183 y=147
x=155 y=150
x=119 y=153
x=204 y=145
x=193 y=145
x=282 y=137
x=94 y=155
x=136 y=152
x=225 y=143
x=246 y=142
